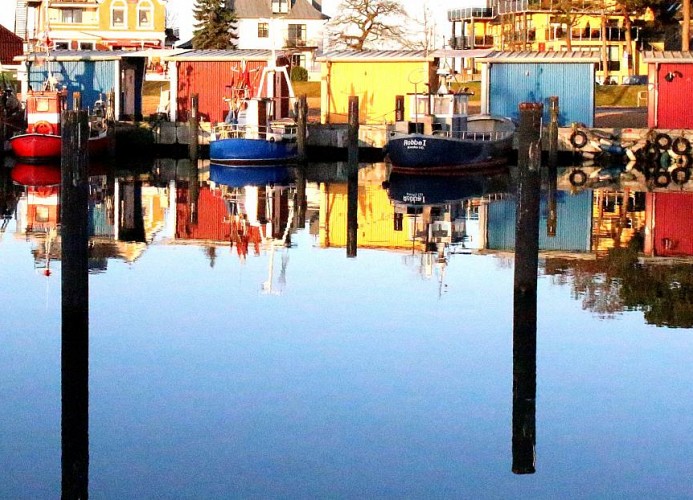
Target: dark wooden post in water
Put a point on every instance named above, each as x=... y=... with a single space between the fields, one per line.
x=353 y=177
x=553 y=131
x=525 y=289
x=75 y=305
x=301 y=123
x=76 y=101
x=193 y=126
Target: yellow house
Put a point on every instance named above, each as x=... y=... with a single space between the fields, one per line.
x=377 y=78
x=95 y=24
x=541 y=26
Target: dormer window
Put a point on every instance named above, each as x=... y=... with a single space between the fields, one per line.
x=119 y=14
x=280 y=6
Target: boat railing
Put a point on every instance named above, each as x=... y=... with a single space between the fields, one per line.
x=492 y=135
x=275 y=131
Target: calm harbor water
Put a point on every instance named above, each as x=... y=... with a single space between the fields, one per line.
x=236 y=351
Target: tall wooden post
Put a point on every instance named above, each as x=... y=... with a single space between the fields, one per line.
x=353 y=175
x=525 y=289
x=553 y=131
x=76 y=101
x=193 y=126
x=302 y=123
x=75 y=305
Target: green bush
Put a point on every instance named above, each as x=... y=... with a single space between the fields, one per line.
x=299 y=74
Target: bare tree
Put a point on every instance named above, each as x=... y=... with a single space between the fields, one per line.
x=368 y=22
x=422 y=32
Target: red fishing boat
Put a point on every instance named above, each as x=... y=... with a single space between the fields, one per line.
x=42 y=140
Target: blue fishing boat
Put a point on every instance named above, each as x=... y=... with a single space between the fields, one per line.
x=258 y=128
x=442 y=136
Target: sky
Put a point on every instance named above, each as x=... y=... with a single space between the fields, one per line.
x=180 y=12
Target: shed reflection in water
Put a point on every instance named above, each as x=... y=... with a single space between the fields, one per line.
x=601 y=242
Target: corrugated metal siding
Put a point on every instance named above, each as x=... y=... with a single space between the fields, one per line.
x=210 y=217
x=90 y=78
x=209 y=79
x=573 y=231
x=512 y=84
x=376 y=84
x=673 y=231
x=672 y=94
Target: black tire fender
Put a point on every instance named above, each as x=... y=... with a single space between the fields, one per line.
x=577 y=177
x=578 y=139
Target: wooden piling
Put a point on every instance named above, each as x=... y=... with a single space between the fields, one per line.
x=75 y=304
x=353 y=172
x=553 y=131
x=76 y=101
x=193 y=127
x=525 y=289
x=302 y=124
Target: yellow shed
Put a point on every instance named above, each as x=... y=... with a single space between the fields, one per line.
x=376 y=78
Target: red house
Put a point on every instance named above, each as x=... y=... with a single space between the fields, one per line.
x=10 y=46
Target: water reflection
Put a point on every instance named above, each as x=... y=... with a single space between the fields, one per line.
x=603 y=240
x=592 y=240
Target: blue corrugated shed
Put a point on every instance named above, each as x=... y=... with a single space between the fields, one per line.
x=517 y=77
x=573 y=232
x=90 y=78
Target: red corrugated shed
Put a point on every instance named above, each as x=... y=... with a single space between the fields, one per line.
x=675 y=84
x=211 y=213
x=672 y=233
x=10 y=46
x=211 y=80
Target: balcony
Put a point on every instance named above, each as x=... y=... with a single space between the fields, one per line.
x=520 y=6
x=469 y=42
x=469 y=14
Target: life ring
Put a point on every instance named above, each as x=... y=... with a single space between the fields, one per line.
x=578 y=139
x=43 y=127
x=681 y=146
x=680 y=175
x=663 y=141
x=577 y=177
x=662 y=178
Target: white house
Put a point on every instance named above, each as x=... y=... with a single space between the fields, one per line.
x=292 y=26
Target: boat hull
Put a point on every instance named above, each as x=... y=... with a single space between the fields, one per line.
x=421 y=152
x=241 y=151
x=36 y=147
x=45 y=147
x=251 y=175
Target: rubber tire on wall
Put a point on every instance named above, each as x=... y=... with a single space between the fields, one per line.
x=661 y=178
x=680 y=175
x=681 y=146
x=663 y=141
x=578 y=139
x=577 y=177
x=43 y=127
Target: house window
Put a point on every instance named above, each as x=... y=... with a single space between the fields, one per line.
x=145 y=15
x=86 y=46
x=280 y=6
x=72 y=16
x=118 y=14
x=263 y=30
x=298 y=60
x=297 y=35
x=61 y=45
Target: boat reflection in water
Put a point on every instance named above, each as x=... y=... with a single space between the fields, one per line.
x=261 y=203
x=447 y=209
